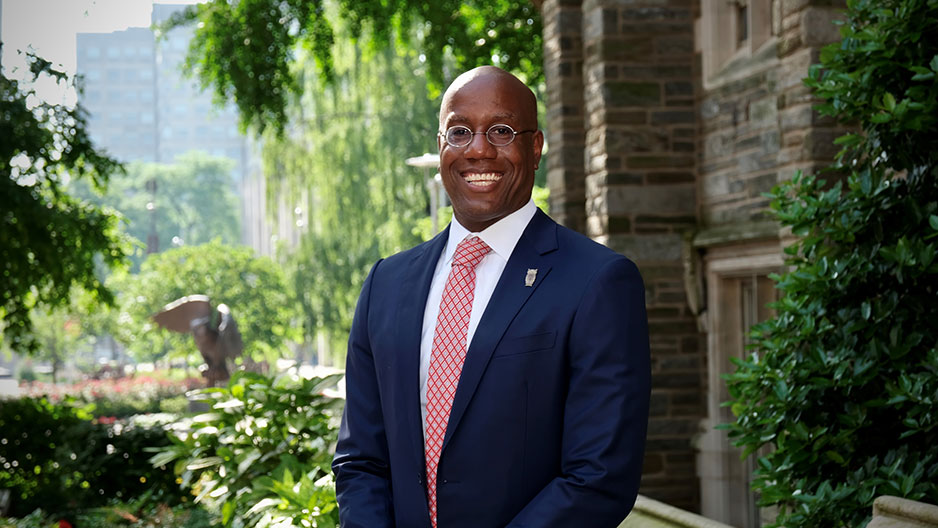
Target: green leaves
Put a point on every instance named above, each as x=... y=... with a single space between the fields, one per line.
x=56 y=458
x=253 y=287
x=266 y=459
x=51 y=244
x=361 y=199
x=882 y=44
x=846 y=384
x=246 y=51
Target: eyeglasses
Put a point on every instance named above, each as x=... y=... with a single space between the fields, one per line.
x=498 y=135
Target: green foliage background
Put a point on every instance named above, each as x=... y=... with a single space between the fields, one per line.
x=262 y=452
x=196 y=201
x=244 y=51
x=843 y=382
x=56 y=458
x=50 y=243
x=344 y=166
x=253 y=287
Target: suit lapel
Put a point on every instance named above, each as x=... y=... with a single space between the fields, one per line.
x=413 y=300
x=538 y=239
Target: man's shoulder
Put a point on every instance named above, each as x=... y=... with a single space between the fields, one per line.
x=584 y=248
x=402 y=260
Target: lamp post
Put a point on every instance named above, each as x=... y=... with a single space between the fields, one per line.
x=434 y=185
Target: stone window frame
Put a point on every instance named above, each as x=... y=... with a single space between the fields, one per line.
x=734 y=273
x=717 y=30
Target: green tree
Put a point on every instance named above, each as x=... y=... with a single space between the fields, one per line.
x=843 y=383
x=195 y=201
x=50 y=242
x=253 y=287
x=347 y=157
x=245 y=50
x=58 y=333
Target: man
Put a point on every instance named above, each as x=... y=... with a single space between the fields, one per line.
x=497 y=375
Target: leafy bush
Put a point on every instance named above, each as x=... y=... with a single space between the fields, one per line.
x=134 y=514
x=262 y=453
x=121 y=397
x=843 y=384
x=54 y=456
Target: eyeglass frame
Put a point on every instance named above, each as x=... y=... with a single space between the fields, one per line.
x=472 y=134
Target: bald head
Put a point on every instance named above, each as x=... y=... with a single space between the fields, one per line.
x=492 y=78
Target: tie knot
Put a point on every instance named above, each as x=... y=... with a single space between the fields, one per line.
x=470 y=251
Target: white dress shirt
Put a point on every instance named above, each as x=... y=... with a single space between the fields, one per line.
x=502 y=236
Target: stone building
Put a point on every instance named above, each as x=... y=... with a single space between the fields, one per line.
x=667 y=120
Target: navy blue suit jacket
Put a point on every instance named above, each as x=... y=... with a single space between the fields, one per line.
x=548 y=423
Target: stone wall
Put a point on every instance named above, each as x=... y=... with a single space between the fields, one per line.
x=757 y=124
x=646 y=154
x=563 y=72
x=639 y=72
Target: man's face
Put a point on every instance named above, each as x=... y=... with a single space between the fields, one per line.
x=485 y=183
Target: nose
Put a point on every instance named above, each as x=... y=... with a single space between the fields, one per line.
x=479 y=147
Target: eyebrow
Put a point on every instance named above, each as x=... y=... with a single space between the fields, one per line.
x=496 y=119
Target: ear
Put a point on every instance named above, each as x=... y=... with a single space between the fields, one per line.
x=537 y=145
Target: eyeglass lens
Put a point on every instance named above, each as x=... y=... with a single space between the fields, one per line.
x=497 y=135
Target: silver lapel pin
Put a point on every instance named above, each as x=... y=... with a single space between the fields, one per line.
x=529 y=278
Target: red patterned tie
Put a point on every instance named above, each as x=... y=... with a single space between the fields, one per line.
x=449 y=352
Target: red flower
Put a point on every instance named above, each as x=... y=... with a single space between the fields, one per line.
x=64 y=524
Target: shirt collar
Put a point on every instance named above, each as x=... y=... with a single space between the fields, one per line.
x=502 y=236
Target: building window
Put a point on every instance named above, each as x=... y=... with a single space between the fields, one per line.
x=738 y=293
x=731 y=31
x=113 y=52
x=93 y=51
x=742 y=24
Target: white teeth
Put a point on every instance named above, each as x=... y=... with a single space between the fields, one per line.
x=485 y=178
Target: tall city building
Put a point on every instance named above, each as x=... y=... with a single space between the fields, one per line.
x=187 y=118
x=120 y=89
x=142 y=108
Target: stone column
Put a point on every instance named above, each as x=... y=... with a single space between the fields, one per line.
x=566 y=137
x=807 y=138
x=640 y=73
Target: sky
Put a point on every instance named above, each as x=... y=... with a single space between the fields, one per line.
x=49 y=28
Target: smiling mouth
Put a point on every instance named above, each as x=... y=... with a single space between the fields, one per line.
x=481 y=179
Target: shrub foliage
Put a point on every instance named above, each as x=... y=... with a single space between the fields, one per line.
x=843 y=382
x=54 y=457
x=262 y=452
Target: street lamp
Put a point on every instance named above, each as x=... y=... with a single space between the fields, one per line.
x=434 y=185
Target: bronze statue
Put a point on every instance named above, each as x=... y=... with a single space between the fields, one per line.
x=215 y=332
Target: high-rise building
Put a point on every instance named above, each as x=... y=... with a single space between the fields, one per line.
x=142 y=108
x=186 y=116
x=120 y=88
